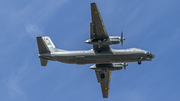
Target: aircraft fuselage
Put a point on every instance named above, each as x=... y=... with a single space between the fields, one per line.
x=92 y=57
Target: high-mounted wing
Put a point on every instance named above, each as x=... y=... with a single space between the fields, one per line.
x=105 y=82
x=97 y=28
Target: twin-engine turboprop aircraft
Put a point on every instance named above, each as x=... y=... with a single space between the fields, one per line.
x=104 y=58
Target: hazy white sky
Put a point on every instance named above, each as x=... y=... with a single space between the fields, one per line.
x=151 y=25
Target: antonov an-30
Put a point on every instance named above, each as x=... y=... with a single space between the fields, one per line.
x=104 y=58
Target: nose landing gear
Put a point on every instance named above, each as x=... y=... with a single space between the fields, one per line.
x=139 y=61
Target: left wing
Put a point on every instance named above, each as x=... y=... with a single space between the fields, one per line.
x=99 y=30
x=105 y=82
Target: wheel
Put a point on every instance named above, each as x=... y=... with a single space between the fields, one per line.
x=99 y=50
x=102 y=76
x=139 y=62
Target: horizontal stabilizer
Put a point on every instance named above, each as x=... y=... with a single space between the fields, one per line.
x=44 y=62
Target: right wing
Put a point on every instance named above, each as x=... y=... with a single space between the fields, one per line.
x=97 y=28
x=105 y=83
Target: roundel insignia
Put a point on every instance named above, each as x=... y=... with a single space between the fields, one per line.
x=106 y=88
x=78 y=51
x=95 y=12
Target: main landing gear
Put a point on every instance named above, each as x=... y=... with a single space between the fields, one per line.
x=99 y=47
x=102 y=76
x=99 y=50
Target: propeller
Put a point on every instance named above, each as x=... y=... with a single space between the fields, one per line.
x=122 y=39
x=125 y=66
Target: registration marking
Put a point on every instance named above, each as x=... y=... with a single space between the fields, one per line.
x=127 y=52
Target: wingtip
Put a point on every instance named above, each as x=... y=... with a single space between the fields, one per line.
x=93 y=3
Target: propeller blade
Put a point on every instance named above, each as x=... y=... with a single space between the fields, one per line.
x=121 y=34
x=125 y=68
x=122 y=39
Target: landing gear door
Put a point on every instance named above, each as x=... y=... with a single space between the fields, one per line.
x=98 y=75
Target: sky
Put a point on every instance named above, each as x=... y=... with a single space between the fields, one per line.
x=151 y=25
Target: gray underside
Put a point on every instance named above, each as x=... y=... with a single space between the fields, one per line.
x=105 y=59
x=91 y=57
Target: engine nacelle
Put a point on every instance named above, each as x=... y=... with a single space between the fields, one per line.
x=110 y=41
x=112 y=67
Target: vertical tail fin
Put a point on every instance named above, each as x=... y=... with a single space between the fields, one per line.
x=45 y=44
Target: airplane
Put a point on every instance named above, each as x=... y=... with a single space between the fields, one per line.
x=104 y=58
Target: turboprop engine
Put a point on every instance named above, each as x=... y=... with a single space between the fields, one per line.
x=112 y=67
x=110 y=41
